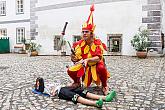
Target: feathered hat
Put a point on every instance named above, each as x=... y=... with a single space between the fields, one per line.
x=89 y=25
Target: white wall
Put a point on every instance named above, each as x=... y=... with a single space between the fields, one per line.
x=11 y=11
x=163 y=18
x=110 y=18
x=52 y=2
x=12 y=17
x=11 y=32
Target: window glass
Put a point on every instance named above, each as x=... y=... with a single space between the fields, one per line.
x=2 y=8
x=20 y=7
x=3 y=32
x=20 y=35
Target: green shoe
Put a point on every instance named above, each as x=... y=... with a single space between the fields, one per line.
x=110 y=96
x=99 y=103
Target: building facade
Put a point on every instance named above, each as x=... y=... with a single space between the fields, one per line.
x=15 y=21
x=117 y=21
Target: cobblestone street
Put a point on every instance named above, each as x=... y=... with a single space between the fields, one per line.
x=139 y=83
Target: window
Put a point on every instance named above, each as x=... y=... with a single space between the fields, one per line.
x=114 y=42
x=19 y=6
x=2 y=8
x=3 y=32
x=56 y=42
x=20 y=35
x=76 y=38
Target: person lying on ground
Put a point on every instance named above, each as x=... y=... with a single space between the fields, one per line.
x=72 y=94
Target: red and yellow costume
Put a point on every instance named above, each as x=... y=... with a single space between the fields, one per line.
x=94 y=71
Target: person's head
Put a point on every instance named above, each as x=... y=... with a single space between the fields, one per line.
x=87 y=34
x=88 y=27
x=39 y=85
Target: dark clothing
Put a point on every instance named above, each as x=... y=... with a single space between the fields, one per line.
x=71 y=94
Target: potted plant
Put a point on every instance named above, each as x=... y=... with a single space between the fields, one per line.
x=33 y=49
x=140 y=43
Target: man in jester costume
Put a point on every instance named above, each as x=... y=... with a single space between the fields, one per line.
x=88 y=58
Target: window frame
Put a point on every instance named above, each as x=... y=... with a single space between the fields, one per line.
x=56 y=42
x=76 y=37
x=3 y=33
x=23 y=37
x=18 y=7
x=2 y=4
x=111 y=38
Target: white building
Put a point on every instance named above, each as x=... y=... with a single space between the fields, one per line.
x=163 y=15
x=116 y=21
x=15 y=20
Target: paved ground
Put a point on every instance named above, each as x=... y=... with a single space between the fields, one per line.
x=140 y=83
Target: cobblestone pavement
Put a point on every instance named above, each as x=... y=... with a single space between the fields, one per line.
x=140 y=83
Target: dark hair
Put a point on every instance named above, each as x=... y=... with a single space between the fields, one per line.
x=41 y=84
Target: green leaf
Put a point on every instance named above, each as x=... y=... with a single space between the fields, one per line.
x=140 y=40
